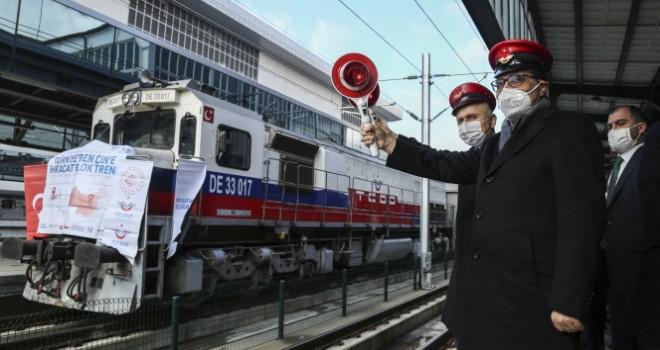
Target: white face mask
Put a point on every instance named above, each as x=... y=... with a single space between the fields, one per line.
x=620 y=139
x=513 y=101
x=471 y=134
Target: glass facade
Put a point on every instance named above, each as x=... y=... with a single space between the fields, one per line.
x=26 y=133
x=184 y=29
x=58 y=27
x=21 y=141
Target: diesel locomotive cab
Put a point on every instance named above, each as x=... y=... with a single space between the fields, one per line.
x=72 y=270
x=149 y=118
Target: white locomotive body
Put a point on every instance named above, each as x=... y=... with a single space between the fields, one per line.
x=273 y=203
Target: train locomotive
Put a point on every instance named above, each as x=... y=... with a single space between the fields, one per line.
x=272 y=203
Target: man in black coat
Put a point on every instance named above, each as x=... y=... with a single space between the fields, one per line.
x=473 y=106
x=539 y=209
x=624 y=232
x=647 y=322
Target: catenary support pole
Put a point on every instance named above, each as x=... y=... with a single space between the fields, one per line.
x=424 y=213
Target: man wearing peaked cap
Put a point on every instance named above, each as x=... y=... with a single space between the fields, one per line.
x=520 y=54
x=476 y=122
x=472 y=104
x=534 y=235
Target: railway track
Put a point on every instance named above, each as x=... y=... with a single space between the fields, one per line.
x=151 y=324
x=337 y=337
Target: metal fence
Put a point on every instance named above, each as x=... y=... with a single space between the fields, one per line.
x=229 y=316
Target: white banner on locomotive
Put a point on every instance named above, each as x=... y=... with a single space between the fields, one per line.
x=190 y=177
x=95 y=192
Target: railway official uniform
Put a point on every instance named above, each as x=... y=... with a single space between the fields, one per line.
x=533 y=240
x=468 y=94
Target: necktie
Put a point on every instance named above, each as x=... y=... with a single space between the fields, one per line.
x=505 y=133
x=613 y=177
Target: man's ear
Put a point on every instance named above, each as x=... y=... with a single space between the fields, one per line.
x=642 y=128
x=543 y=89
x=493 y=120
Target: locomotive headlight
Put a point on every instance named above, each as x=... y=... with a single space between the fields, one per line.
x=134 y=100
x=124 y=99
x=131 y=99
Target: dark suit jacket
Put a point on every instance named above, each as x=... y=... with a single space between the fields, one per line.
x=648 y=308
x=534 y=235
x=464 y=212
x=624 y=231
x=649 y=185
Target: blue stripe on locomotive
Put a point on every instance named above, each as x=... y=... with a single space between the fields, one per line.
x=248 y=187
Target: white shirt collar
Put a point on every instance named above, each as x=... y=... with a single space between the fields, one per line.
x=629 y=153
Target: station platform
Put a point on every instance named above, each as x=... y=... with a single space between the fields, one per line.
x=12 y=284
x=375 y=336
x=12 y=277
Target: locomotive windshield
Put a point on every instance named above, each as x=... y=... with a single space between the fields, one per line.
x=154 y=129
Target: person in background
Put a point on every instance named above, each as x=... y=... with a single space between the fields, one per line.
x=646 y=322
x=624 y=232
x=538 y=213
x=472 y=104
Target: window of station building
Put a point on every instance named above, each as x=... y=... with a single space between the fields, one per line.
x=13 y=159
x=187 y=30
x=233 y=148
x=303 y=122
x=28 y=133
x=42 y=20
x=329 y=130
x=126 y=57
x=349 y=113
x=272 y=108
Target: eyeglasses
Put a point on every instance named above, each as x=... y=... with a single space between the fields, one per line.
x=514 y=80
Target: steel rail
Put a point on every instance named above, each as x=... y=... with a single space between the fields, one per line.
x=437 y=342
x=358 y=326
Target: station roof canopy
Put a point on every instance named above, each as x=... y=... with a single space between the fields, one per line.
x=40 y=102
x=606 y=53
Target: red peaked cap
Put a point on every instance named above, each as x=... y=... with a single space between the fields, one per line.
x=470 y=93
x=519 y=54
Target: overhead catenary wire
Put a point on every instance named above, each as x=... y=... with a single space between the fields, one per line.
x=411 y=77
x=445 y=39
x=474 y=30
x=389 y=44
x=470 y=24
x=380 y=36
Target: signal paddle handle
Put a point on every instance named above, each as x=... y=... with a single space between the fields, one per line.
x=367 y=118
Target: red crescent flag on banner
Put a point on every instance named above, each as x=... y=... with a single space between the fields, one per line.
x=35 y=182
